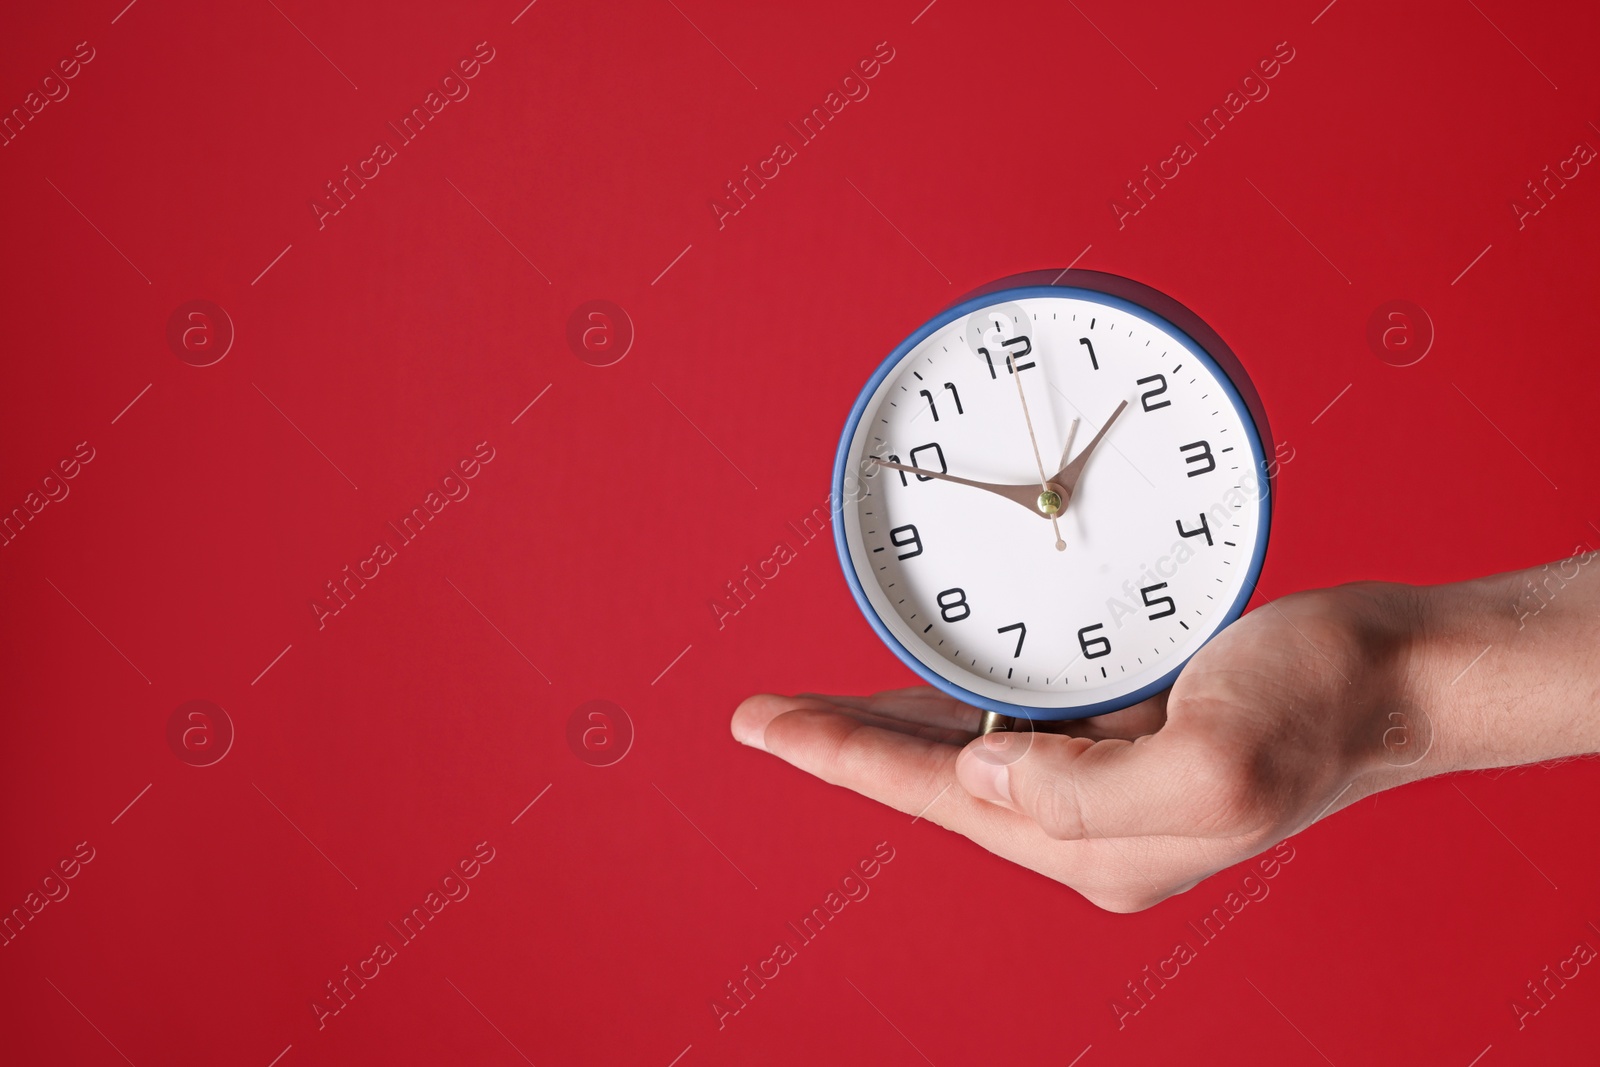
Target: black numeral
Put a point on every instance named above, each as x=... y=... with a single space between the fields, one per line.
x=1204 y=456
x=1022 y=633
x=1144 y=398
x=1172 y=607
x=952 y=387
x=1086 y=343
x=1013 y=361
x=1094 y=647
x=1205 y=528
x=911 y=539
x=937 y=451
x=1015 y=358
x=896 y=459
x=947 y=610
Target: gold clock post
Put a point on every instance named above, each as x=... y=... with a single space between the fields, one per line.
x=993 y=723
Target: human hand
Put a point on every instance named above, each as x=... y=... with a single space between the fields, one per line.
x=1300 y=708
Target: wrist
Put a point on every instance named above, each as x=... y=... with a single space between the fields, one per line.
x=1504 y=667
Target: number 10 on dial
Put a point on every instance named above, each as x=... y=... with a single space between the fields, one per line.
x=1052 y=495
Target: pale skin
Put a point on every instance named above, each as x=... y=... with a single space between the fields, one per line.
x=1284 y=718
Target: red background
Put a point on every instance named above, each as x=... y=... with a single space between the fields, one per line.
x=408 y=330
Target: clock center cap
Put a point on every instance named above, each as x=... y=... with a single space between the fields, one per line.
x=1049 y=502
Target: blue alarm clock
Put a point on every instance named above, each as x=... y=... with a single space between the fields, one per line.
x=1053 y=493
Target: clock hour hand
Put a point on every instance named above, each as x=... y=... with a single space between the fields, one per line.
x=1068 y=476
x=1026 y=495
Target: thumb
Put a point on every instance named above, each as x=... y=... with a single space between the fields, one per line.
x=1076 y=788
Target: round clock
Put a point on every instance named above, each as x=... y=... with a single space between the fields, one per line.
x=1053 y=494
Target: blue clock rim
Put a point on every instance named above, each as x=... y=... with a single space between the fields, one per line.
x=841 y=468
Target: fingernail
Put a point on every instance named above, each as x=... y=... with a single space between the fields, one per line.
x=749 y=725
x=748 y=733
x=987 y=780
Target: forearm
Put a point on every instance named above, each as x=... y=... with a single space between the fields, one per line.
x=1507 y=668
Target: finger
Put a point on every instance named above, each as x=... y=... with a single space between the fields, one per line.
x=912 y=774
x=1076 y=788
x=1145 y=717
x=762 y=708
x=919 y=704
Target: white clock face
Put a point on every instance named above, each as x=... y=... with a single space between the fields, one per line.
x=1161 y=536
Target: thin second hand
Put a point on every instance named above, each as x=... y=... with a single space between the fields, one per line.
x=1038 y=460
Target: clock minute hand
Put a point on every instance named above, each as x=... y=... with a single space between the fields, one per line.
x=1069 y=475
x=1026 y=495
